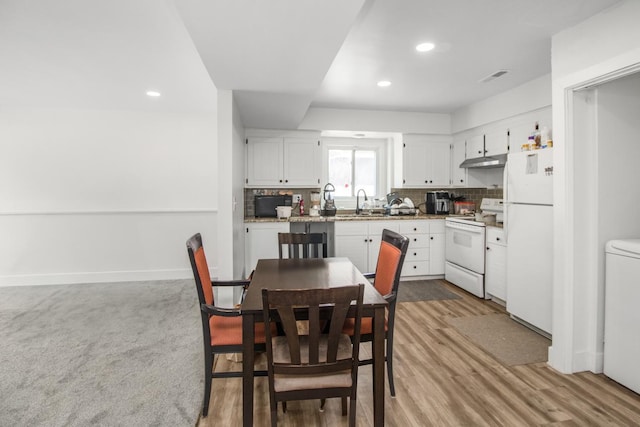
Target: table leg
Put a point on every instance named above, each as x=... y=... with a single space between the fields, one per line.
x=248 y=322
x=378 y=366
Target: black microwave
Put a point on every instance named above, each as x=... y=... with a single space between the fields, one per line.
x=265 y=206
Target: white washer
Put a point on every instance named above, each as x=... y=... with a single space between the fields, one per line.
x=621 y=315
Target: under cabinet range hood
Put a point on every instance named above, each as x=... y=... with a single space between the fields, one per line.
x=485 y=162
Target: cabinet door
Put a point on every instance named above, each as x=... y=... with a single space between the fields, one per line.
x=415 y=153
x=301 y=161
x=264 y=162
x=354 y=247
x=458 y=174
x=440 y=160
x=496 y=271
x=262 y=242
x=475 y=147
x=436 y=253
x=496 y=143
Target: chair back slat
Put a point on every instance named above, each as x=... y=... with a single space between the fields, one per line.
x=302 y=245
x=313 y=351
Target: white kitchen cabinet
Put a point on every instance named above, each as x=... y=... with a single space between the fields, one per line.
x=496 y=142
x=458 y=154
x=261 y=241
x=283 y=162
x=416 y=261
x=475 y=146
x=436 y=247
x=495 y=277
x=426 y=161
x=360 y=241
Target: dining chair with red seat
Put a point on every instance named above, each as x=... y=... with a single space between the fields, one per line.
x=393 y=249
x=221 y=326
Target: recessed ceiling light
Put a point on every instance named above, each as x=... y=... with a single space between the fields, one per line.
x=153 y=93
x=384 y=83
x=425 y=47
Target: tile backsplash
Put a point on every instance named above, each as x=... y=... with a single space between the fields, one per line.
x=417 y=195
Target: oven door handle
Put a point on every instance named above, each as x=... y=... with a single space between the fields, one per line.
x=463 y=227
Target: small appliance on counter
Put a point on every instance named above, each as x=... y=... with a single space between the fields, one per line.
x=315 y=204
x=265 y=206
x=329 y=203
x=438 y=202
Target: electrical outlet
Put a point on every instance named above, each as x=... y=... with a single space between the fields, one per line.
x=297 y=198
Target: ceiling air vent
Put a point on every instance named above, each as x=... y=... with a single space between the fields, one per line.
x=495 y=75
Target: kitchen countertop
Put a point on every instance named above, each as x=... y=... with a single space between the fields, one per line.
x=348 y=217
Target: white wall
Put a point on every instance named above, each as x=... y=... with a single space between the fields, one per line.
x=530 y=96
x=376 y=121
x=94 y=196
x=600 y=48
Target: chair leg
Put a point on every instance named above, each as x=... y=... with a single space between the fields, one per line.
x=352 y=412
x=389 y=358
x=284 y=407
x=208 y=376
x=344 y=406
x=322 y=402
x=273 y=404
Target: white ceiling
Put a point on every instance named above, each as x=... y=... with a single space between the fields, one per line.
x=279 y=56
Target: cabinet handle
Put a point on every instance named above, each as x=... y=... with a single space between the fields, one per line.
x=415 y=229
x=366 y=240
x=462 y=180
x=415 y=240
x=415 y=266
x=431 y=237
x=286 y=180
x=497 y=239
x=415 y=254
x=488 y=248
x=479 y=151
x=280 y=180
x=370 y=240
x=426 y=181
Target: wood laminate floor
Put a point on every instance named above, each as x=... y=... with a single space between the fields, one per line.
x=443 y=379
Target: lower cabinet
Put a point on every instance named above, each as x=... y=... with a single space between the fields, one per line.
x=360 y=241
x=261 y=241
x=436 y=247
x=416 y=262
x=495 y=277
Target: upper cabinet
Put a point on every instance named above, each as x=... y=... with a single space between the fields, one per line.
x=492 y=143
x=496 y=142
x=426 y=161
x=283 y=162
x=475 y=146
x=458 y=174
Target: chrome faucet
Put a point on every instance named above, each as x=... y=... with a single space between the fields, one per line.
x=358 y=209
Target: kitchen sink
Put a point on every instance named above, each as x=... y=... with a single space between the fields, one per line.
x=362 y=215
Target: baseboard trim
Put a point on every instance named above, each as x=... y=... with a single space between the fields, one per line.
x=97 y=277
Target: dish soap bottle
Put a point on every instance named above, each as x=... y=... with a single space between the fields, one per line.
x=301 y=207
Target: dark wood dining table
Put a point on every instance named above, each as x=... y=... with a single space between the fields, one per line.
x=308 y=274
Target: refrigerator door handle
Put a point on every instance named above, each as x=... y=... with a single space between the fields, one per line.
x=505 y=204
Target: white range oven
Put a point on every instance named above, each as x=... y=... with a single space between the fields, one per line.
x=465 y=248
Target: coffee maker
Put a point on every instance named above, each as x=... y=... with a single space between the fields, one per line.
x=438 y=202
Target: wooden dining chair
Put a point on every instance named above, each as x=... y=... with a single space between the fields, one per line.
x=312 y=363
x=302 y=245
x=393 y=249
x=221 y=326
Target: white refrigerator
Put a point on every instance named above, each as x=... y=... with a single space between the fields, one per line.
x=529 y=234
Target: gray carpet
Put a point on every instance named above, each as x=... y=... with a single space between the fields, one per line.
x=114 y=354
x=505 y=339
x=424 y=290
